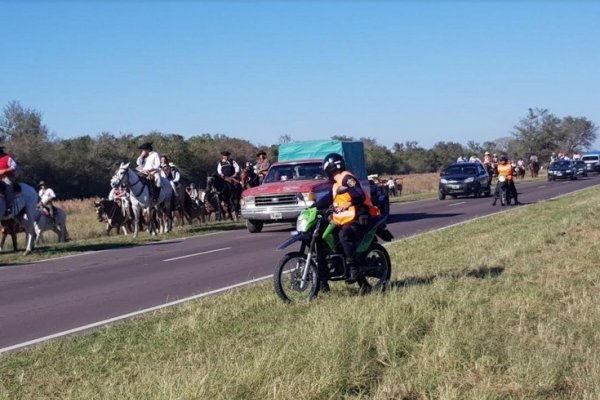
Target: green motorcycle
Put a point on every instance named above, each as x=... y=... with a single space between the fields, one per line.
x=300 y=275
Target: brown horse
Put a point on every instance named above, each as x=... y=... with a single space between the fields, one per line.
x=534 y=169
x=10 y=227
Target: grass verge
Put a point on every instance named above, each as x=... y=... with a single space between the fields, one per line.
x=505 y=307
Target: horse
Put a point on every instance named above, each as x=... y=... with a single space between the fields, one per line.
x=534 y=169
x=210 y=202
x=141 y=199
x=10 y=227
x=229 y=195
x=190 y=209
x=248 y=177
x=520 y=172
x=24 y=209
x=111 y=212
x=58 y=225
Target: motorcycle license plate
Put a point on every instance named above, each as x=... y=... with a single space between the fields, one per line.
x=276 y=215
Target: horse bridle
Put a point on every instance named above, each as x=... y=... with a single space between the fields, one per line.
x=132 y=184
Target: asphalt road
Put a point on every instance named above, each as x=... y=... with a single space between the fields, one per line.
x=56 y=297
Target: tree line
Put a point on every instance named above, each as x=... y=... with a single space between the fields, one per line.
x=81 y=167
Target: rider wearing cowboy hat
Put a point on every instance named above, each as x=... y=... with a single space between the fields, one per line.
x=46 y=196
x=228 y=168
x=262 y=165
x=149 y=163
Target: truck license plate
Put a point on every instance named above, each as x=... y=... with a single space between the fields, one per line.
x=454 y=186
x=276 y=215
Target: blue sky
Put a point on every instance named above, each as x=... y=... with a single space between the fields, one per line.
x=425 y=71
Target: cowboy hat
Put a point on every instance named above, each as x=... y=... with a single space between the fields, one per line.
x=146 y=146
x=225 y=153
x=42 y=183
x=261 y=153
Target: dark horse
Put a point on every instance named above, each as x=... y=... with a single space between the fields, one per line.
x=534 y=169
x=248 y=177
x=229 y=195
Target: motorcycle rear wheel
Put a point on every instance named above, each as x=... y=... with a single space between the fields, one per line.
x=377 y=268
x=287 y=279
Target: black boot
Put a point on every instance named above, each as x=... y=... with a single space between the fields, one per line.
x=155 y=194
x=353 y=270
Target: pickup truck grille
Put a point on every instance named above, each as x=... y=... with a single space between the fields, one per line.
x=276 y=200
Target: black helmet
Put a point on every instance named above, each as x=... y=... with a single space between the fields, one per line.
x=333 y=163
x=503 y=158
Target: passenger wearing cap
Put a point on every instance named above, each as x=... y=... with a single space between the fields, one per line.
x=46 y=196
x=149 y=164
x=8 y=166
x=170 y=171
x=487 y=158
x=262 y=165
x=228 y=168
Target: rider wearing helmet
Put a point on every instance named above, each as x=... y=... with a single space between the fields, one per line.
x=505 y=168
x=352 y=207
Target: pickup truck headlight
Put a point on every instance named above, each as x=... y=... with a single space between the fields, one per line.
x=444 y=181
x=309 y=198
x=247 y=201
x=469 y=180
x=568 y=171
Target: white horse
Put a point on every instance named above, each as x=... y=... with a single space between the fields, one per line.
x=24 y=208
x=141 y=198
x=44 y=223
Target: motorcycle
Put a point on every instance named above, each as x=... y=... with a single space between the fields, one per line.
x=300 y=275
x=503 y=190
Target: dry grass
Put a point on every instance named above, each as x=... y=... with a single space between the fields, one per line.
x=502 y=308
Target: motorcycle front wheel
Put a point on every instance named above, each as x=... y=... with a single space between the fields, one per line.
x=377 y=268
x=287 y=279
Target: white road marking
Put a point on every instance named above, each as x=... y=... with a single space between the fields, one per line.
x=133 y=314
x=456 y=204
x=540 y=187
x=196 y=254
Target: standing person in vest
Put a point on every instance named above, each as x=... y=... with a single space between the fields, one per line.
x=505 y=168
x=353 y=207
x=8 y=166
x=149 y=163
x=228 y=168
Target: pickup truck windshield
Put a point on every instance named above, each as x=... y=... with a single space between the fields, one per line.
x=297 y=172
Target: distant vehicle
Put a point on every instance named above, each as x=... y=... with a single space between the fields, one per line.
x=562 y=169
x=580 y=168
x=592 y=161
x=464 y=179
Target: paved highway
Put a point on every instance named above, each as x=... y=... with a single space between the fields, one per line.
x=52 y=298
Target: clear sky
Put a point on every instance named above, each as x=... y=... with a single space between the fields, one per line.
x=423 y=71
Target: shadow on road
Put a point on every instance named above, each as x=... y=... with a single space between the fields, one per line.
x=480 y=273
x=406 y=217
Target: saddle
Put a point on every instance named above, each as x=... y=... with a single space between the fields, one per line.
x=16 y=188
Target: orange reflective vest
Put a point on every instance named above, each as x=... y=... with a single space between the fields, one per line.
x=506 y=170
x=339 y=200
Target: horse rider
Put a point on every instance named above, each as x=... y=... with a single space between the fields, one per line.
x=192 y=191
x=461 y=159
x=262 y=165
x=171 y=172
x=505 y=168
x=474 y=158
x=487 y=158
x=148 y=163
x=353 y=207
x=120 y=195
x=47 y=195
x=228 y=168
x=8 y=166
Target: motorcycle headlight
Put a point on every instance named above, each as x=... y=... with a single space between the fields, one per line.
x=469 y=180
x=501 y=178
x=444 y=181
x=302 y=223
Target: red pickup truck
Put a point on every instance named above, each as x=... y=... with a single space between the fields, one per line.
x=297 y=180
